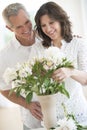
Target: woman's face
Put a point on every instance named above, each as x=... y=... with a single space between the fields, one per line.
x=50 y=27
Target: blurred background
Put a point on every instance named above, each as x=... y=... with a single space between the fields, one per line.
x=77 y=12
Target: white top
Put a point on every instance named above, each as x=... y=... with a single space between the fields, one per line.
x=15 y=53
x=76 y=50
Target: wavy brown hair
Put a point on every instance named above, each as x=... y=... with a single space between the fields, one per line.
x=55 y=12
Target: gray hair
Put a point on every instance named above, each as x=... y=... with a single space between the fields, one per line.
x=12 y=10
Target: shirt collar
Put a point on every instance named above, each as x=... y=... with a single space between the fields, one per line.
x=17 y=44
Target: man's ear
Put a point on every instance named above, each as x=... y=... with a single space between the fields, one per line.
x=9 y=28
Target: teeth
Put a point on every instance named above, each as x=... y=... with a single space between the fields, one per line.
x=26 y=32
x=51 y=33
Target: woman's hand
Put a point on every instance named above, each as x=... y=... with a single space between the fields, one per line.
x=61 y=74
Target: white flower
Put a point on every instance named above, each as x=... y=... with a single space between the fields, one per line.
x=25 y=70
x=18 y=66
x=9 y=75
x=17 y=83
x=66 y=124
x=54 y=54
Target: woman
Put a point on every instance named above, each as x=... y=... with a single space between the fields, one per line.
x=54 y=27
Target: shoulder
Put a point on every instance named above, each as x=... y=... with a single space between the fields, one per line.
x=7 y=51
x=79 y=42
x=10 y=45
x=6 y=48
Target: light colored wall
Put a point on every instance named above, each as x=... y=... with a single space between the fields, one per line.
x=10 y=118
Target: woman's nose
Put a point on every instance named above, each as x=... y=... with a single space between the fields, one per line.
x=48 y=29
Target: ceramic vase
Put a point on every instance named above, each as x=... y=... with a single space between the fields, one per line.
x=48 y=106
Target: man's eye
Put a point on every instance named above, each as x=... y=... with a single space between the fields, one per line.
x=27 y=22
x=18 y=27
x=51 y=22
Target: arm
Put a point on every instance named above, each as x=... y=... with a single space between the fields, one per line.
x=80 y=74
x=18 y=100
x=33 y=107
x=63 y=73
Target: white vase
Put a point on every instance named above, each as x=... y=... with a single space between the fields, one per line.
x=48 y=105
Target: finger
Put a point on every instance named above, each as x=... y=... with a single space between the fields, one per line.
x=38 y=104
x=57 y=77
x=60 y=79
x=36 y=111
x=39 y=111
x=37 y=115
x=38 y=107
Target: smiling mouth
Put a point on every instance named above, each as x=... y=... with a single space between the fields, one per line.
x=27 y=33
x=51 y=33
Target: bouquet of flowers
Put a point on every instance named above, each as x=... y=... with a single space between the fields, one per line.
x=35 y=76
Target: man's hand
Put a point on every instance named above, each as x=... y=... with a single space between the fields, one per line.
x=35 y=109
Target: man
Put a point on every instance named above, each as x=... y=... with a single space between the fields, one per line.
x=22 y=47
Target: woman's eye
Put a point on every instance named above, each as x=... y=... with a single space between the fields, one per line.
x=51 y=22
x=43 y=25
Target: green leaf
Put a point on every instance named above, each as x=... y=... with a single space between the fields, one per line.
x=29 y=97
x=52 y=128
x=12 y=90
x=80 y=127
x=62 y=89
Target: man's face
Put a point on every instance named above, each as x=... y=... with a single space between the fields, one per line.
x=21 y=26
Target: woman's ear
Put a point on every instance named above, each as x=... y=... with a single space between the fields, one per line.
x=9 y=28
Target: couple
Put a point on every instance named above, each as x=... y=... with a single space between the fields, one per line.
x=53 y=28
